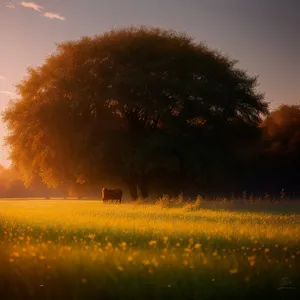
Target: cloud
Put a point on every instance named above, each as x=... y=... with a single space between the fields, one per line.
x=10 y=5
x=32 y=5
x=53 y=16
x=7 y=93
x=38 y=8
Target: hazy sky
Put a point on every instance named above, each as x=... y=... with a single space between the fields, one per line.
x=262 y=34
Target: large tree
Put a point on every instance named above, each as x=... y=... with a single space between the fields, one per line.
x=130 y=106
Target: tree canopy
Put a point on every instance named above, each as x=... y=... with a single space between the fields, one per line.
x=281 y=130
x=140 y=106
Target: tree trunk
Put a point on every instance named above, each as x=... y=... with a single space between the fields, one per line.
x=132 y=184
x=133 y=190
x=144 y=190
x=182 y=170
x=143 y=186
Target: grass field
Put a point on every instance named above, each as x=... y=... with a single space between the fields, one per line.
x=62 y=249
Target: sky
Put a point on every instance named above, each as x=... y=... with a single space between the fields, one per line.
x=262 y=34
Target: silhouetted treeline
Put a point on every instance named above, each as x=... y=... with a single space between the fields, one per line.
x=268 y=167
x=276 y=163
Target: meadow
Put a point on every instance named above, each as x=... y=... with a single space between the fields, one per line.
x=68 y=249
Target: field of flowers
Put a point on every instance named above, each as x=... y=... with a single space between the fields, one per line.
x=63 y=249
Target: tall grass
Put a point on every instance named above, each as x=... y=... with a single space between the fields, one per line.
x=90 y=250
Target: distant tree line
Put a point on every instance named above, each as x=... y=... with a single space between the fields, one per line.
x=12 y=186
x=153 y=111
x=275 y=166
